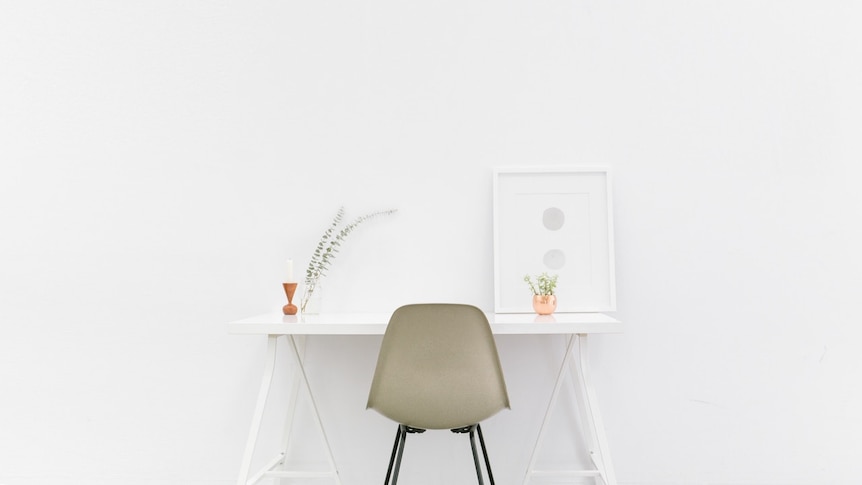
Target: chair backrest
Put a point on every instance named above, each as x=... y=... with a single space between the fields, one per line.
x=438 y=368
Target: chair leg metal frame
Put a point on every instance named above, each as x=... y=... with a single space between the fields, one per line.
x=472 y=431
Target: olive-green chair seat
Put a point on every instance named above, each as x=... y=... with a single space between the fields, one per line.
x=438 y=368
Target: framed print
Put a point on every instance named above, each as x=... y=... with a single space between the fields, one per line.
x=555 y=220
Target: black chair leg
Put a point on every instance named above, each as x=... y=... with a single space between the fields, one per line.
x=401 y=437
x=475 y=455
x=485 y=452
x=394 y=452
x=397 y=452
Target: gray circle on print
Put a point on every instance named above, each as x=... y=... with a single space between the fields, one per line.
x=554 y=259
x=553 y=218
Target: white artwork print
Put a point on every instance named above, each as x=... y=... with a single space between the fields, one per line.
x=554 y=221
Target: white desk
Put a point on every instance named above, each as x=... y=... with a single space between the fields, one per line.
x=577 y=326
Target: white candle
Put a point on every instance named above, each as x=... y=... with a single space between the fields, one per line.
x=289 y=273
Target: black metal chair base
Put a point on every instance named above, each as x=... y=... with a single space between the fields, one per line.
x=401 y=437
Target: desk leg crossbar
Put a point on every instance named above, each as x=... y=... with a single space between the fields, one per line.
x=274 y=467
x=591 y=419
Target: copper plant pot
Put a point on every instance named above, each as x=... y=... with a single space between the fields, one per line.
x=544 y=304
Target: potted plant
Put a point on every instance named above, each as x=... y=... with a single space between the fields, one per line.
x=543 y=288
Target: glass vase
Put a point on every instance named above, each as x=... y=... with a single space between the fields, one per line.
x=312 y=299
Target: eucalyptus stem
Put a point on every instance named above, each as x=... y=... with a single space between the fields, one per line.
x=328 y=246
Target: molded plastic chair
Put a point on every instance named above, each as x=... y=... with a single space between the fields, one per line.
x=438 y=368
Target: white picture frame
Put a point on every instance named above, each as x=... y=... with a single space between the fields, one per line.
x=559 y=220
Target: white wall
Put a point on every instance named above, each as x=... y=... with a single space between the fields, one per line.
x=161 y=159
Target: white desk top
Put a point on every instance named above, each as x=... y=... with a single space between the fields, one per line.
x=375 y=324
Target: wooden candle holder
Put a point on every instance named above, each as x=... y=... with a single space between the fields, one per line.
x=289 y=290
